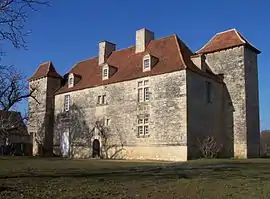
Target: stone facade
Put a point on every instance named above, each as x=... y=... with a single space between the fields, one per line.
x=239 y=67
x=166 y=111
x=214 y=93
x=41 y=112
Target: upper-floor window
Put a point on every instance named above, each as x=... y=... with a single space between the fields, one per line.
x=70 y=80
x=208 y=92
x=102 y=99
x=143 y=91
x=67 y=103
x=143 y=126
x=105 y=74
x=146 y=63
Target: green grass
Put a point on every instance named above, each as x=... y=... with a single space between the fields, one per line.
x=22 y=177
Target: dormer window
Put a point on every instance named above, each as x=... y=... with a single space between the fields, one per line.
x=70 y=80
x=105 y=73
x=146 y=63
x=108 y=71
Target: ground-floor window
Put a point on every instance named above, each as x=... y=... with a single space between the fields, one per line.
x=143 y=126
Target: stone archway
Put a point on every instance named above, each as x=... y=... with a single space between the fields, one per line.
x=96 y=149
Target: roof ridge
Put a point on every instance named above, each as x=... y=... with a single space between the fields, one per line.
x=222 y=32
x=179 y=50
x=45 y=62
x=48 y=69
x=118 y=50
x=242 y=38
x=209 y=41
x=218 y=33
x=88 y=59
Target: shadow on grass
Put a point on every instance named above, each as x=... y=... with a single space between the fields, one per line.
x=5 y=188
x=226 y=171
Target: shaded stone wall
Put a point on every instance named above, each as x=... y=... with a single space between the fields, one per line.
x=206 y=118
x=37 y=113
x=252 y=103
x=166 y=109
x=40 y=123
x=233 y=64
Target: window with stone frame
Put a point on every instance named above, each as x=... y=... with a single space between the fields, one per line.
x=101 y=99
x=143 y=126
x=70 y=81
x=143 y=91
x=105 y=73
x=67 y=103
x=146 y=63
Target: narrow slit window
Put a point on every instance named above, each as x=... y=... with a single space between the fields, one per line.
x=208 y=92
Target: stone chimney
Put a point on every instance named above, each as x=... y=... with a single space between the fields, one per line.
x=143 y=37
x=105 y=49
x=199 y=61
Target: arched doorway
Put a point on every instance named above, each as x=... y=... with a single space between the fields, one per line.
x=96 y=148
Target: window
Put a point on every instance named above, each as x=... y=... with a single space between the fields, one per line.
x=105 y=73
x=101 y=99
x=107 y=122
x=208 y=92
x=143 y=91
x=143 y=126
x=146 y=63
x=70 y=80
x=67 y=102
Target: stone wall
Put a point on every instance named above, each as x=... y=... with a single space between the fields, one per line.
x=41 y=119
x=233 y=64
x=252 y=103
x=166 y=109
x=37 y=112
x=205 y=118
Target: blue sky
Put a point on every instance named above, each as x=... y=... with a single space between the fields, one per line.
x=68 y=32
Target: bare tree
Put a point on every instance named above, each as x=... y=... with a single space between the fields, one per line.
x=13 y=85
x=13 y=88
x=13 y=15
x=112 y=142
x=209 y=147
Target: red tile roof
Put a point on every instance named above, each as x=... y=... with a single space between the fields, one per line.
x=172 y=54
x=224 y=40
x=45 y=70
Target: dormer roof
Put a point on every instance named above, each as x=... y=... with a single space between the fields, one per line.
x=172 y=53
x=224 y=40
x=45 y=69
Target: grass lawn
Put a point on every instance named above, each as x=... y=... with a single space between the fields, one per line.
x=22 y=177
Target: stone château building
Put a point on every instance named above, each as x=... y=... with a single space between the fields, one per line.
x=154 y=100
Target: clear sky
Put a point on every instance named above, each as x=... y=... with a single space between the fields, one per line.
x=68 y=32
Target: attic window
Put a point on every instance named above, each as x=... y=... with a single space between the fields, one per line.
x=146 y=63
x=105 y=72
x=70 y=80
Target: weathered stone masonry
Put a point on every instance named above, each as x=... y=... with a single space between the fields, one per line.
x=213 y=92
x=166 y=109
